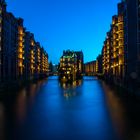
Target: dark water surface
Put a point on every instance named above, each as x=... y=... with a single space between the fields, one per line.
x=85 y=110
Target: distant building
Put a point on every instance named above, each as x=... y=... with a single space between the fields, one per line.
x=71 y=65
x=90 y=68
x=94 y=67
x=50 y=68
x=55 y=69
x=80 y=62
x=44 y=62
x=99 y=69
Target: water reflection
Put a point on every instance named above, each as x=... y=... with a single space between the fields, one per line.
x=124 y=111
x=20 y=105
x=2 y=121
x=74 y=84
x=69 y=89
x=116 y=109
x=84 y=110
x=26 y=98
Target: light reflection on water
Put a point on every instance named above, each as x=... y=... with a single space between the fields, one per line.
x=20 y=105
x=85 y=109
x=69 y=89
x=116 y=109
x=2 y=121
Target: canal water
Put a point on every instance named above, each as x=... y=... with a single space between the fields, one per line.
x=85 y=110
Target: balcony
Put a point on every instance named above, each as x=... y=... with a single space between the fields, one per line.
x=20 y=56
x=20 y=50
x=20 y=64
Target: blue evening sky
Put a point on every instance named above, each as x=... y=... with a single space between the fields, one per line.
x=67 y=24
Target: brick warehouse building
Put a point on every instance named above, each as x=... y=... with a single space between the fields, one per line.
x=20 y=54
x=121 y=50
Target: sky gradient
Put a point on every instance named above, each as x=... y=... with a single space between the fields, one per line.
x=67 y=24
